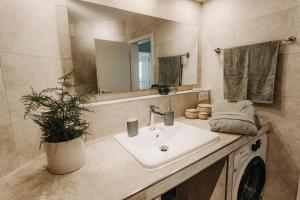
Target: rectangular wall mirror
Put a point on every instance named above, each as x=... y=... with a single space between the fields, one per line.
x=117 y=51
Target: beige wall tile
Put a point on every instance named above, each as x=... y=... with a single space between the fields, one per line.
x=235 y=11
x=282 y=176
x=292 y=108
x=20 y=72
x=216 y=96
x=285 y=117
x=212 y=75
x=8 y=154
x=291 y=76
x=181 y=102
x=4 y=114
x=66 y=65
x=27 y=140
x=276 y=26
x=32 y=31
x=63 y=32
x=288 y=131
x=60 y=2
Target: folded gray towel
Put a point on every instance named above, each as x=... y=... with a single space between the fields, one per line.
x=170 y=70
x=238 y=118
x=249 y=72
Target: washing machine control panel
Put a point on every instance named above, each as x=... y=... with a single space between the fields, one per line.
x=256 y=145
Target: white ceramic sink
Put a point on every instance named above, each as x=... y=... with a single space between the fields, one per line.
x=177 y=140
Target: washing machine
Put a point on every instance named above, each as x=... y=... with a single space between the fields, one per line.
x=250 y=170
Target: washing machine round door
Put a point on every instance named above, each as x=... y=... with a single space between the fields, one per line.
x=253 y=180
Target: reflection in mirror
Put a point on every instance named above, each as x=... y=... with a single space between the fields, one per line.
x=123 y=66
x=119 y=51
x=141 y=63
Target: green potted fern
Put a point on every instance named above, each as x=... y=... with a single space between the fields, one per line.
x=59 y=114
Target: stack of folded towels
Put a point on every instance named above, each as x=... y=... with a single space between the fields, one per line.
x=237 y=118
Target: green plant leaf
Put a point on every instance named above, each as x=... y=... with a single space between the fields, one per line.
x=57 y=111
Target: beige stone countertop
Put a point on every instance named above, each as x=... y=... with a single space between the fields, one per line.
x=111 y=173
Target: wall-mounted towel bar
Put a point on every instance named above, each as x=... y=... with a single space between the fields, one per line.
x=291 y=39
x=186 y=54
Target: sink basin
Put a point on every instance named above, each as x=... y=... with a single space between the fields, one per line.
x=154 y=148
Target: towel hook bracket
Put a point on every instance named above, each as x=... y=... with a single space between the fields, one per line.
x=291 y=39
x=218 y=50
x=187 y=54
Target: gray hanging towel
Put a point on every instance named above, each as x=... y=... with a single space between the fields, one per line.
x=170 y=70
x=236 y=64
x=249 y=72
x=262 y=71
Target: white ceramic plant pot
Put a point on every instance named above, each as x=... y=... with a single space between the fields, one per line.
x=65 y=157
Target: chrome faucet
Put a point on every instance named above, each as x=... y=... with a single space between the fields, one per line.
x=152 y=115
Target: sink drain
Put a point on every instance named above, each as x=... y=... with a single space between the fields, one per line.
x=164 y=148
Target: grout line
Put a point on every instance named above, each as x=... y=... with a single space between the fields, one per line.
x=5 y=94
x=33 y=55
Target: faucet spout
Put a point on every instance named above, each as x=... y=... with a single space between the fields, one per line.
x=152 y=116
